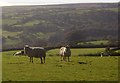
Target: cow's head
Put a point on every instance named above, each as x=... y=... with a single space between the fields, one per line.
x=26 y=49
x=67 y=46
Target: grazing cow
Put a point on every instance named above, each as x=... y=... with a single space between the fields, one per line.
x=37 y=52
x=19 y=53
x=65 y=52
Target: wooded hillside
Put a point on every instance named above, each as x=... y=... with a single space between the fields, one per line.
x=55 y=25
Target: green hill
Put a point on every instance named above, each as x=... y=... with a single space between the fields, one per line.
x=54 y=25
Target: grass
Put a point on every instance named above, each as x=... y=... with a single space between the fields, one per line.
x=112 y=9
x=12 y=42
x=11 y=34
x=32 y=23
x=9 y=21
x=83 y=68
x=98 y=42
x=79 y=51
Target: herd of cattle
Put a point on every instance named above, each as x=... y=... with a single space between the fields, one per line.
x=40 y=52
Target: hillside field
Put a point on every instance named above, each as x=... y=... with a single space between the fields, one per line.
x=56 y=25
x=80 y=68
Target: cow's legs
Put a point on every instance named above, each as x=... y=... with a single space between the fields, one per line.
x=64 y=58
x=44 y=59
x=61 y=58
x=68 y=58
x=32 y=59
x=41 y=60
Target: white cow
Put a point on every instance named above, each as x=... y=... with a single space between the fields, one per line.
x=65 y=52
x=19 y=53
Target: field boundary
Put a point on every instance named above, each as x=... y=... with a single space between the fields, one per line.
x=49 y=48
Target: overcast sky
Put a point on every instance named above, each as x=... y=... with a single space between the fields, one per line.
x=45 y=2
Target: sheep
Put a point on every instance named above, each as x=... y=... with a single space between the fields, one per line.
x=19 y=53
x=37 y=52
x=65 y=52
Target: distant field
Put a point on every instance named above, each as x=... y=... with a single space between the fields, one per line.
x=9 y=21
x=95 y=68
x=97 y=42
x=10 y=34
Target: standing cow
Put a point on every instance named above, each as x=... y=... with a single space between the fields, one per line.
x=37 y=52
x=65 y=52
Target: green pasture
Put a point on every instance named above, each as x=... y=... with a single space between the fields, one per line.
x=80 y=68
x=10 y=34
x=9 y=21
x=96 y=42
x=32 y=23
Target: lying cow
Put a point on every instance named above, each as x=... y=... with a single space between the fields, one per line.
x=19 y=53
x=65 y=52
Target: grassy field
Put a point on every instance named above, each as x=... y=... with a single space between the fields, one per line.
x=80 y=68
x=96 y=42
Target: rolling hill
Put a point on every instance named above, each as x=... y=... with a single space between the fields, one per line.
x=55 y=25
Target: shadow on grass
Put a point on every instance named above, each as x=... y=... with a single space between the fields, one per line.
x=17 y=63
x=82 y=62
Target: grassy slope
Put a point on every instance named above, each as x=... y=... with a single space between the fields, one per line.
x=94 y=68
x=11 y=34
x=14 y=18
